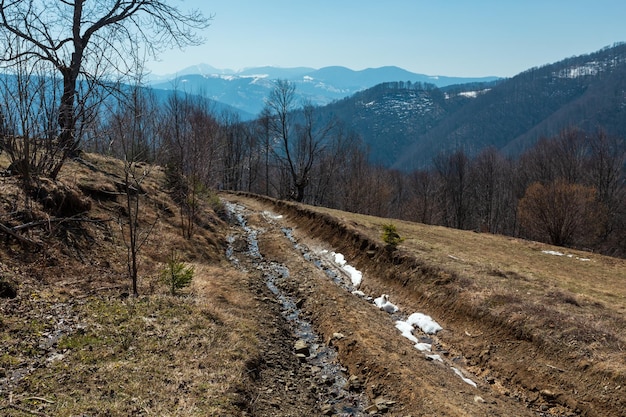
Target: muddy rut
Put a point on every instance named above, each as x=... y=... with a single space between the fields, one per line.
x=331 y=351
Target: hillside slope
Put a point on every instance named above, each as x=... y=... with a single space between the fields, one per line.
x=585 y=92
x=531 y=332
x=529 y=321
x=588 y=92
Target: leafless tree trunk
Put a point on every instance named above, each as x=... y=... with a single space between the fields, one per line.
x=135 y=117
x=301 y=143
x=453 y=172
x=264 y=132
x=191 y=147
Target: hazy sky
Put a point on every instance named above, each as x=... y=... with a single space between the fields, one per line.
x=434 y=37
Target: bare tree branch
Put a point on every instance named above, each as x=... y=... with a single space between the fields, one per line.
x=79 y=38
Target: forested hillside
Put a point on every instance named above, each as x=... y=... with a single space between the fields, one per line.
x=470 y=154
x=587 y=92
x=391 y=115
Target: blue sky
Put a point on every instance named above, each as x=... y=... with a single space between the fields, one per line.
x=436 y=37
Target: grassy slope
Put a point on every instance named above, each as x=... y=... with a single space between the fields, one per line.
x=527 y=315
x=579 y=298
x=77 y=347
x=72 y=343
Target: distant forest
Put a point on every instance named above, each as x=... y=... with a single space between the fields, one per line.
x=568 y=189
x=405 y=125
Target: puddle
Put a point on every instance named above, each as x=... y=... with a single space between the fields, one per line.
x=329 y=375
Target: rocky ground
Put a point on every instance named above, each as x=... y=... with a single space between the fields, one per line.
x=272 y=325
x=379 y=371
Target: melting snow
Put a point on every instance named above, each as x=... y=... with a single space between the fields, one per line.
x=556 y=253
x=552 y=252
x=470 y=94
x=407 y=330
x=423 y=347
x=460 y=374
x=272 y=216
x=406 y=327
x=424 y=322
x=355 y=275
x=383 y=303
x=339 y=258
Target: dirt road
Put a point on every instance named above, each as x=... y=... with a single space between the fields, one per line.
x=331 y=351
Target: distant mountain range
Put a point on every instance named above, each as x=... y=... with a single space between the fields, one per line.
x=404 y=127
x=246 y=90
x=406 y=119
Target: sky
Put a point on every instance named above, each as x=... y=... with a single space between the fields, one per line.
x=468 y=38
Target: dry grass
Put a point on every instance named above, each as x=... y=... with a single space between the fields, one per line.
x=493 y=260
x=156 y=355
x=79 y=346
x=574 y=303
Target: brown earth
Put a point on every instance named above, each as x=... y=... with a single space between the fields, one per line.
x=73 y=343
x=520 y=368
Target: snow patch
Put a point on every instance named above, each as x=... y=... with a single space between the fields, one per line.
x=424 y=322
x=470 y=94
x=407 y=330
x=423 y=347
x=339 y=258
x=557 y=253
x=553 y=252
x=383 y=303
x=355 y=275
x=460 y=374
x=270 y=215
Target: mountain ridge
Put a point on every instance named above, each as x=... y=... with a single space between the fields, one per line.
x=247 y=89
x=586 y=92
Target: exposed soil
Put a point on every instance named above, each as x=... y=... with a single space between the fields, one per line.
x=514 y=376
x=271 y=326
x=371 y=349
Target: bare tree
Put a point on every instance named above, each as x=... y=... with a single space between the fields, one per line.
x=263 y=130
x=134 y=117
x=83 y=39
x=27 y=104
x=423 y=185
x=238 y=148
x=301 y=143
x=561 y=213
x=190 y=147
x=328 y=185
x=492 y=193
x=453 y=172
x=606 y=174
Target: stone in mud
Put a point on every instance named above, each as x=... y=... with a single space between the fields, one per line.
x=381 y=405
x=338 y=336
x=301 y=348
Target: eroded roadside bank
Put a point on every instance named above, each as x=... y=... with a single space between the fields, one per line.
x=371 y=350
